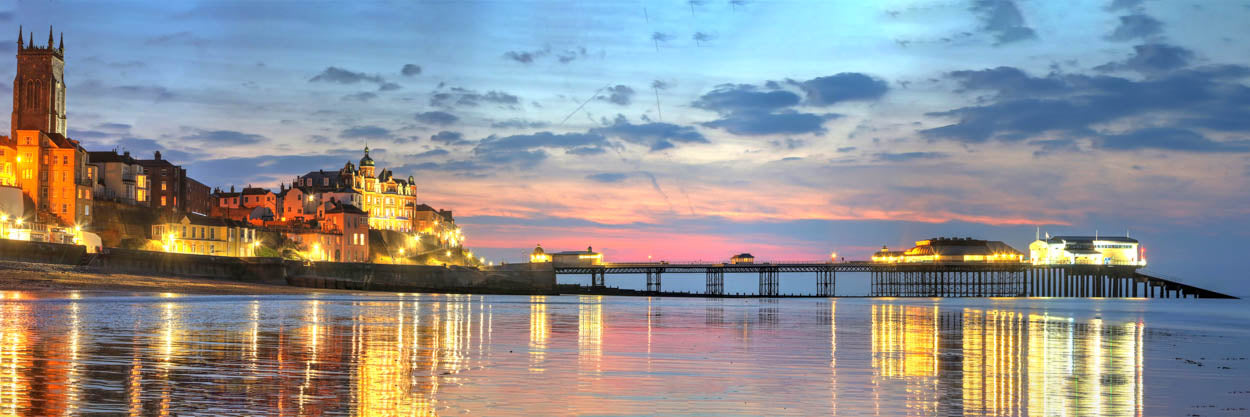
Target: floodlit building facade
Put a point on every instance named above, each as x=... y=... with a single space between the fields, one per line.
x=1086 y=250
x=390 y=201
x=952 y=250
x=118 y=178
x=587 y=257
x=206 y=236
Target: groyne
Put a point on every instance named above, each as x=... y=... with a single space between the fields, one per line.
x=507 y=279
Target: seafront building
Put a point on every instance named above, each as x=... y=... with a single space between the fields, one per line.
x=586 y=257
x=1087 y=250
x=118 y=177
x=947 y=250
x=206 y=236
x=391 y=202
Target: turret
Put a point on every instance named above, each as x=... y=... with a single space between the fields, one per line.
x=49 y=36
x=19 y=38
x=61 y=48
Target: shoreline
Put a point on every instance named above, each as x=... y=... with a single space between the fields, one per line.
x=39 y=277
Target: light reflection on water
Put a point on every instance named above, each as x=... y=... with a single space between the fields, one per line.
x=460 y=354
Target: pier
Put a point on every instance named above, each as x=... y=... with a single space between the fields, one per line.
x=946 y=279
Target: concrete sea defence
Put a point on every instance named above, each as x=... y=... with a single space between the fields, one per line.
x=509 y=279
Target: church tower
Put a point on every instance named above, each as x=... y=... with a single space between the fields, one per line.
x=39 y=87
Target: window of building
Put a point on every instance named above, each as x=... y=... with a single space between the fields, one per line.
x=162 y=200
x=163 y=187
x=64 y=209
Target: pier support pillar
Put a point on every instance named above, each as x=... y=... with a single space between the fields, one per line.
x=597 y=278
x=768 y=282
x=715 y=282
x=653 y=280
x=826 y=281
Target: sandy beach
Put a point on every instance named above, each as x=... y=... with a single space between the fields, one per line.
x=25 y=276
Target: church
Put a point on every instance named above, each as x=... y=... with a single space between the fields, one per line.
x=49 y=168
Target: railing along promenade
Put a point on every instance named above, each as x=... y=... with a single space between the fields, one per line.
x=928 y=279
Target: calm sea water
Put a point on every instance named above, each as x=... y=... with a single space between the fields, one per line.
x=422 y=354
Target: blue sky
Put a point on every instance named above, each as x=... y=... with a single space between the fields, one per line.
x=698 y=129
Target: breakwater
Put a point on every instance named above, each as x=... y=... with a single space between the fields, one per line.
x=508 y=279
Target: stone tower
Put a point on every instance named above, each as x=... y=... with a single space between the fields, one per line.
x=39 y=87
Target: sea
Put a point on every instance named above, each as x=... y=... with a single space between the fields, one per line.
x=384 y=354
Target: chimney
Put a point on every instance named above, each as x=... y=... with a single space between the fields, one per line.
x=158 y=155
x=126 y=154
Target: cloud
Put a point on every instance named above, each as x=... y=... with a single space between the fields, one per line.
x=370 y=132
x=908 y=156
x=608 y=177
x=619 y=95
x=518 y=124
x=1002 y=19
x=146 y=148
x=1124 y=4
x=1170 y=139
x=657 y=136
x=430 y=153
x=731 y=98
x=1073 y=106
x=389 y=86
x=181 y=38
x=449 y=138
x=131 y=92
x=1008 y=81
x=361 y=96
x=245 y=170
x=569 y=55
x=586 y=150
x=1136 y=26
x=847 y=86
x=410 y=70
x=439 y=118
x=225 y=137
x=341 y=76
x=517 y=143
x=1151 y=59
x=526 y=57
x=788 y=143
x=753 y=123
x=464 y=97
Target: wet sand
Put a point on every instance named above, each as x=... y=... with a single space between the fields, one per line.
x=26 y=276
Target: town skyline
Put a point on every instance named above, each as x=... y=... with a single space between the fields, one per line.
x=688 y=132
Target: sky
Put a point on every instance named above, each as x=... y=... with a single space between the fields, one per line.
x=694 y=130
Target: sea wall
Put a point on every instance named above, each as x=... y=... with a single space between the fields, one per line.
x=422 y=278
x=254 y=270
x=509 y=279
x=40 y=252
